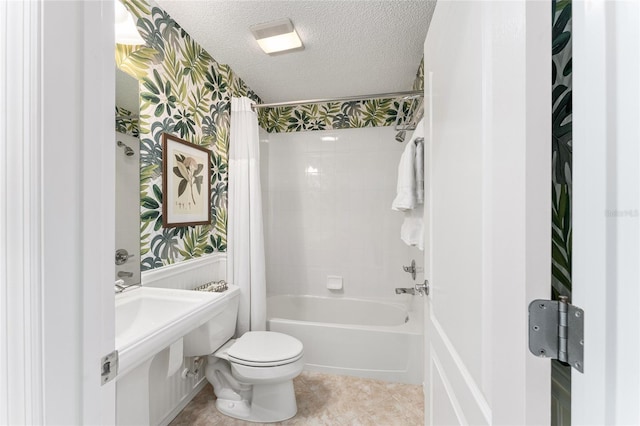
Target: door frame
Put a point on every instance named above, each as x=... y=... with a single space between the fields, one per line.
x=56 y=289
x=606 y=209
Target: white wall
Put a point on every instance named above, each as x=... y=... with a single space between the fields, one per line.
x=327 y=202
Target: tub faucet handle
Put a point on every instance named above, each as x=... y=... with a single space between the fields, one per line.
x=411 y=269
x=423 y=289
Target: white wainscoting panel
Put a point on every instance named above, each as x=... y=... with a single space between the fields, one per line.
x=188 y=274
x=169 y=395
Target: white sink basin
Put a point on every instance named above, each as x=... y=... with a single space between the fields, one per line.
x=150 y=319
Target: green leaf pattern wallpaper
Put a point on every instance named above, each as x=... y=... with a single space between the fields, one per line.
x=562 y=149
x=336 y=115
x=185 y=92
x=126 y=123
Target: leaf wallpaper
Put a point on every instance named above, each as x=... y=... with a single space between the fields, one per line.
x=126 y=123
x=336 y=115
x=562 y=149
x=184 y=92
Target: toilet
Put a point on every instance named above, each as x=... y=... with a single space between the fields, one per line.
x=252 y=376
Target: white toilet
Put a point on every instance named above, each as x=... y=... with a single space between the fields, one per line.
x=252 y=376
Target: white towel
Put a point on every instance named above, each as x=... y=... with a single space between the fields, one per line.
x=419 y=170
x=406 y=188
x=410 y=190
x=412 y=230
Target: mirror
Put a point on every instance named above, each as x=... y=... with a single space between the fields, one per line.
x=127 y=146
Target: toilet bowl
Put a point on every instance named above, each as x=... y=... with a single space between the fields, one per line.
x=252 y=376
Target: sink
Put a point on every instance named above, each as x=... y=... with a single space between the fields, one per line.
x=150 y=319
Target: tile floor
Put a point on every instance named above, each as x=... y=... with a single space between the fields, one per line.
x=325 y=399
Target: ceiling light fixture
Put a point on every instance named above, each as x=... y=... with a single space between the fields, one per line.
x=277 y=36
x=126 y=31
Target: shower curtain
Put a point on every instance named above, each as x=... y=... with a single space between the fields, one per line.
x=245 y=238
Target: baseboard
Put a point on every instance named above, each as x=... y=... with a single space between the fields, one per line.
x=185 y=401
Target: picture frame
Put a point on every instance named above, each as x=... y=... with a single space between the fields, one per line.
x=186 y=183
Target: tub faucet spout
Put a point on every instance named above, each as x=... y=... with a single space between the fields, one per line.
x=406 y=291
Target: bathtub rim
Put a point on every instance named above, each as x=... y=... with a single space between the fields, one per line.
x=413 y=325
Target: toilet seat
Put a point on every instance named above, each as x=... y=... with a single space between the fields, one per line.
x=264 y=364
x=265 y=349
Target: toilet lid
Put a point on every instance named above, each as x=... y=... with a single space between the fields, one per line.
x=265 y=348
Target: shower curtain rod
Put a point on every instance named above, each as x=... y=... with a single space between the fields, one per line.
x=406 y=94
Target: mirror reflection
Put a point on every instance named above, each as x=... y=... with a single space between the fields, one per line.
x=127 y=146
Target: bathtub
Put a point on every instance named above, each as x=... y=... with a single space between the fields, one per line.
x=354 y=337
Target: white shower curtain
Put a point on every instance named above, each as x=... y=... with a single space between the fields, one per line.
x=245 y=238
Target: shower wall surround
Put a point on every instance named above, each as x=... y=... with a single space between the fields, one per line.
x=336 y=115
x=327 y=211
x=183 y=91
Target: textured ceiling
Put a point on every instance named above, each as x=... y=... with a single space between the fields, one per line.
x=351 y=47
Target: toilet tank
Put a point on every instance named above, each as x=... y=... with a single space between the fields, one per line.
x=211 y=335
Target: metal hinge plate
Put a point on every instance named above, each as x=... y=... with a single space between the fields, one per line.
x=556 y=330
x=109 y=367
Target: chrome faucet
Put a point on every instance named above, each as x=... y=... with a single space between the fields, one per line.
x=411 y=269
x=419 y=289
x=125 y=274
x=119 y=286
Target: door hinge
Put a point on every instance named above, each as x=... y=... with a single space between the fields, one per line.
x=109 y=367
x=556 y=330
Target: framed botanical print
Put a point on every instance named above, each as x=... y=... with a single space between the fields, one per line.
x=186 y=179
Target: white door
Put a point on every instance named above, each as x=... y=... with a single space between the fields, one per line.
x=606 y=210
x=488 y=156
x=56 y=211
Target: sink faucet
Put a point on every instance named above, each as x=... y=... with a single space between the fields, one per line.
x=120 y=286
x=125 y=274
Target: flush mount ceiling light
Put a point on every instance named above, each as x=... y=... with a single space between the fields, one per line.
x=277 y=36
x=126 y=31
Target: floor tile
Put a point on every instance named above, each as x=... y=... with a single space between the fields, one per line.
x=327 y=400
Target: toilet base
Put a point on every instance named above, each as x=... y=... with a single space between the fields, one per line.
x=270 y=403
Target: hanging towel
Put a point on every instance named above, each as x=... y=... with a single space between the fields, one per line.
x=410 y=187
x=412 y=230
x=410 y=190
x=419 y=170
x=406 y=188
